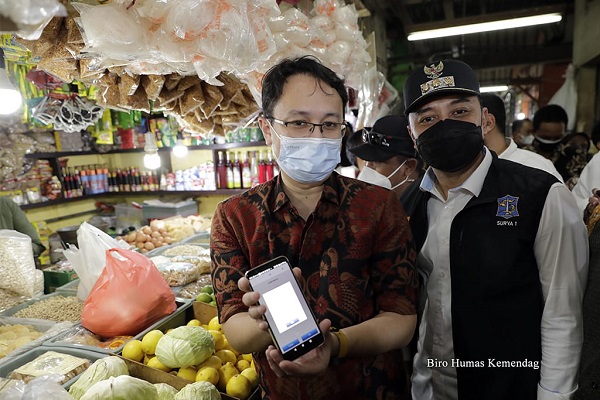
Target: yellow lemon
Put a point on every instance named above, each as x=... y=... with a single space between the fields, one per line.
x=227 y=346
x=214 y=324
x=239 y=386
x=133 y=350
x=194 y=322
x=251 y=375
x=150 y=340
x=219 y=339
x=154 y=363
x=212 y=361
x=247 y=357
x=147 y=358
x=226 y=356
x=187 y=373
x=226 y=371
x=208 y=374
x=169 y=330
x=242 y=365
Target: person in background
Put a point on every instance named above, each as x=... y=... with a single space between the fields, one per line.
x=12 y=217
x=522 y=132
x=595 y=136
x=574 y=156
x=347 y=165
x=348 y=240
x=549 y=127
x=389 y=152
x=495 y=139
x=503 y=252
x=586 y=190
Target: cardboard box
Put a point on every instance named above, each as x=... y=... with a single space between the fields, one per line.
x=153 y=375
x=204 y=312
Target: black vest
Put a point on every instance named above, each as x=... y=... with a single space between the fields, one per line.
x=497 y=300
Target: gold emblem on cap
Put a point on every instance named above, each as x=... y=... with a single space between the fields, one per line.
x=437 y=83
x=433 y=71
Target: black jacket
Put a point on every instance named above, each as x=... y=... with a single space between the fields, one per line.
x=497 y=300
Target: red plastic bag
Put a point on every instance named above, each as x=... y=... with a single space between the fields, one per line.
x=130 y=295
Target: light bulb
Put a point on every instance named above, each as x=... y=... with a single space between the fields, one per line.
x=180 y=149
x=152 y=160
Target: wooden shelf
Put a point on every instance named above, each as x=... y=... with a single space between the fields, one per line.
x=223 y=146
x=193 y=193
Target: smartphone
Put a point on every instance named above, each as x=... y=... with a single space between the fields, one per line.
x=292 y=324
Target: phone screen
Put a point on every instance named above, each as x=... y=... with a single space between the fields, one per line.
x=291 y=322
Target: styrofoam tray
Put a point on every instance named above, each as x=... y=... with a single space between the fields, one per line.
x=49 y=329
x=68 y=288
x=22 y=359
x=179 y=317
x=10 y=312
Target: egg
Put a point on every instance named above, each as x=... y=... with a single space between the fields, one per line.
x=147 y=230
x=155 y=234
x=149 y=246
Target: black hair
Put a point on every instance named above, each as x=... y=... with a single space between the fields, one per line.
x=550 y=113
x=517 y=124
x=277 y=76
x=495 y=106
x=352 y=140
x=346 y=161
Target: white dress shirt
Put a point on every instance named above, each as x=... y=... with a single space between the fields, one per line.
x=588 y=180
x=529 y=158
x=561 y=251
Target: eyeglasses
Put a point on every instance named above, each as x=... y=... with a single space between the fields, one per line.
x=299 y=128
x=378 y=139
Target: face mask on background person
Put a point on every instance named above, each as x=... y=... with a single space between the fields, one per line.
x=308 y=160
x=527 y=140
x=547 y=145
x=450 y=145
x=370 y=175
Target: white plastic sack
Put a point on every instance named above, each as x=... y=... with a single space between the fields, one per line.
x=566 y=97
x=89 y=260
x=17 y=266
x=31 y=16
x=42 y=387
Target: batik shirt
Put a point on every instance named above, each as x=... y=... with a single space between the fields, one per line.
x=357 y=258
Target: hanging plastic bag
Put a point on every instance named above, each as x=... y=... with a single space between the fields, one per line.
x=566 y=97
x=17 y=266
x=89 y=260
x=130 y=295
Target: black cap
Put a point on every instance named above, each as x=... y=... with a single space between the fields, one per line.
x=389 y=137
x=446 y=76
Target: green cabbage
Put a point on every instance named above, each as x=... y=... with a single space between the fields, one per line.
x=165 y=392
x=199 y=391
x=102 y=369
x=185 y=346
x=122 y=387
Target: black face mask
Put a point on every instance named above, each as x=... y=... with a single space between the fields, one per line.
x=450 y=145
x=547 y=146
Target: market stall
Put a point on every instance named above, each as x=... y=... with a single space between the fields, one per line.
x=138 y=116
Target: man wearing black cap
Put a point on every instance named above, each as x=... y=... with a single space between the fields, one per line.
x=389 y=152
x=502 y=251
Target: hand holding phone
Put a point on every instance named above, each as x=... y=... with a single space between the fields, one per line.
x=291 y=322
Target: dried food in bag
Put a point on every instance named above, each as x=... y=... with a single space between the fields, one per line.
x=179 y=273
x=51 y=362
x=152 y=85
x=17 y=266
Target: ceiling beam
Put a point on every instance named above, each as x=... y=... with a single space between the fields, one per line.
x=511 y=56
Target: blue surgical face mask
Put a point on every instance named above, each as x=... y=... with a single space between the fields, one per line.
x=308 y=160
